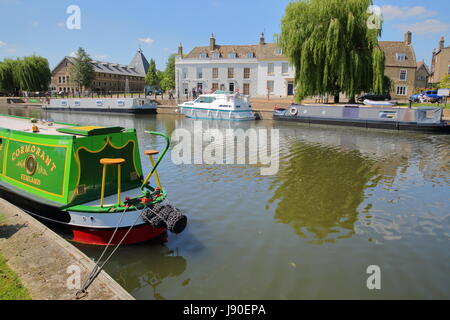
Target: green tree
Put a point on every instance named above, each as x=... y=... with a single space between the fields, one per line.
x=82 y=70
x=8 y=79
x=331 y=47
x=169 y=73
x=33 y=74
x=445 y=82
x=152 y=78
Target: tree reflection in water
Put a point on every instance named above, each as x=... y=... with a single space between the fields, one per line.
x=319 y=189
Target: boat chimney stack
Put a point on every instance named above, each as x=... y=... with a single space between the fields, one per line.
x=408 y=37
x=212 y=42
x=262 y=41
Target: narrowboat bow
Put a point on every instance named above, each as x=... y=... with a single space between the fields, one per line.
x=88 y=179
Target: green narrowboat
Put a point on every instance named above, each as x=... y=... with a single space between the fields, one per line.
x=86 y=178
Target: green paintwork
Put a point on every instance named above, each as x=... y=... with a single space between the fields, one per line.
x=66 y=169
x=90 y=131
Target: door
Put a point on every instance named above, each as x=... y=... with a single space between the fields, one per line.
x=290 y=88
x=215 y=87
x=231 y=87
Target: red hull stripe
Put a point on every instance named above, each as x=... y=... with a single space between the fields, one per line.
x=101 y=237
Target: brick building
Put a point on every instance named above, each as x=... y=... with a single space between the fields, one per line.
x=109 y=76
x=440 y=62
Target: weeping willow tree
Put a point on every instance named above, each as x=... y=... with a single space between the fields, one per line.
x=332 y=48
x=27 y=74
x=8 y=79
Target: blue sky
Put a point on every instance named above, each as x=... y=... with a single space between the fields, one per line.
x=114 y=30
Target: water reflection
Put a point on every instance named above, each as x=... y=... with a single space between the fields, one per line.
x=319 y=189
x=142 y=277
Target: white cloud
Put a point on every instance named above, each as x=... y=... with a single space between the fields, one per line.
x=101 y=56
x=73 y=54
x=427 y=26
x=2 y=44
x=146 y=40
x=61 y=25
x=396 y=12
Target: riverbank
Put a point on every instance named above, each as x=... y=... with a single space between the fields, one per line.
x=41 y=259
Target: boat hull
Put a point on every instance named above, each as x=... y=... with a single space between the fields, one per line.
x=211 y=114
x=88 y=227
x=119 y=111
x=442 y=128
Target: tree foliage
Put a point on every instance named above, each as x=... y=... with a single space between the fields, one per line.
x=152 y=78
x=445 y=82
x=331 y=47
x=82 y=70
x=27 y=74
x=169 y=74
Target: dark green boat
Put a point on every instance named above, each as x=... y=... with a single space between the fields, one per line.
x=86 y=178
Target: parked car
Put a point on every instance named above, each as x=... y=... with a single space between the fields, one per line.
x=430 y=95
x=152 y=91
x=374 y=97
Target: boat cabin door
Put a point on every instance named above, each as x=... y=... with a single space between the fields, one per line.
x=1 y=154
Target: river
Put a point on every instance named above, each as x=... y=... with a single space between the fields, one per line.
x=343 y=199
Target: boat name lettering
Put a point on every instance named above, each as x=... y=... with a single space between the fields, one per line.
x=29 y=179
x=32 y=149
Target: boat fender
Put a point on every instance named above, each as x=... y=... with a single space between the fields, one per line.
x=166 y=216
x=293 y=111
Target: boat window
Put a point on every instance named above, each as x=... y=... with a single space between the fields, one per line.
x=388 y=114
x=205 y=100
x=224 y=106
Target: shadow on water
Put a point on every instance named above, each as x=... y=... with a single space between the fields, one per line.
x=319 y=189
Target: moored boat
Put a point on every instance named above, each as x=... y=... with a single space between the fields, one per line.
x=112 y=105
x=220 y=105
x=422 y=118
x=375 y=103
x=87 y=179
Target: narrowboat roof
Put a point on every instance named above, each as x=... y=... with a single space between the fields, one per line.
x=53 y=128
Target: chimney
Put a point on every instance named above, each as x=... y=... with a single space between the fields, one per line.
x=262 y=41
x=408 y=37
x=180 y=50
x=212 y=42
x=441 y=43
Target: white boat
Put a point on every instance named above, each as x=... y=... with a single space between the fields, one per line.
x=113 y=105
x=220 y=105
x=368 y=102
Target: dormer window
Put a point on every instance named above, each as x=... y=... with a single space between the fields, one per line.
x=400 y=56
x=216 y=55
x=278 y=51
x=250 y=55
x=232 y=55
x=203 y=56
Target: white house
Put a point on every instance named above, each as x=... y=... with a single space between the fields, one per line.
x=254 y=70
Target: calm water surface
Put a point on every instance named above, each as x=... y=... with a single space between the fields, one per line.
x=344 y=199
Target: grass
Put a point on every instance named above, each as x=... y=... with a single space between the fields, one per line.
x=10 y=286
x=440 y=105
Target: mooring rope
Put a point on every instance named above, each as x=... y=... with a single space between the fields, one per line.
x=97 y=269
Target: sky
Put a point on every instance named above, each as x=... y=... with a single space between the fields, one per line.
x=113 y=30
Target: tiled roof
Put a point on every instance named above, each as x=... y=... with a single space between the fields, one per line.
x=137 y=68
x=266 y=51
x=391 y=48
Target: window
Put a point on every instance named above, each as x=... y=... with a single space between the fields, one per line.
x=230 y=73
x=403 y=75
x=401 y=91
x=270 y=86
x=203 y=56
x=199 y=73
x=59 y=80
x=250 y=55
x=205 y=100
x=215 y=86
x=67 y=79
x=400 y=56
x=246 y=89
x=285 y=68
x=216 y=55
x=215 y=73
x=270 y=69
x=246 y=73
x=64 y=79
x=232 y=55
x=278 y=51
x=185 y=73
